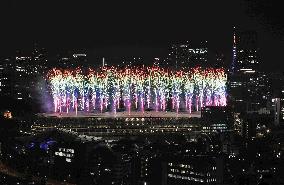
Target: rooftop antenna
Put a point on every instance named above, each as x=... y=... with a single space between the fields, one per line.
x=103 y=61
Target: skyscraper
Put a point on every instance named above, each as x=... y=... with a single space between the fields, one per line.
x=219 y=60
x=189 y=55
x=278 y=106
x=6 y=69
x=245 y=48
x=21 y=75
x=248 y=87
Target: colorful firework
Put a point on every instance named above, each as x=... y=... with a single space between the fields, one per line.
x=110 y=88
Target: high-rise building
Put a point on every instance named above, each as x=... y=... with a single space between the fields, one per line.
x=6 y=77
x=199 y=169
x=72 y=59
x=21 y=80
x=216 y=119
x=79 y=59
x=278 y=106
x=249 y=126
x=248 y=87
x=245 y=48
x=219 y=60
x=188 y=55
x=14 y=81
x=19 y=75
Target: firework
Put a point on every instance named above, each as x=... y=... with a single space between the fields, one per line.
x=110 y=88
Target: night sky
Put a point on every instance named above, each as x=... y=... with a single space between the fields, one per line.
x=101 y=25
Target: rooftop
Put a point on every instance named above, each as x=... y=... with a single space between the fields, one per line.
x=133 y=114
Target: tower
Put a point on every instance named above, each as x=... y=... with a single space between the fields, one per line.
x=247 y=57
x=246 y=82
x=234 y=51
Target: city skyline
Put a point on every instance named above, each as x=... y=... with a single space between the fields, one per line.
x=138 y=93
x=108 y=28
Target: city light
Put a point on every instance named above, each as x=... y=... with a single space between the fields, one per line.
x=136 y=88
